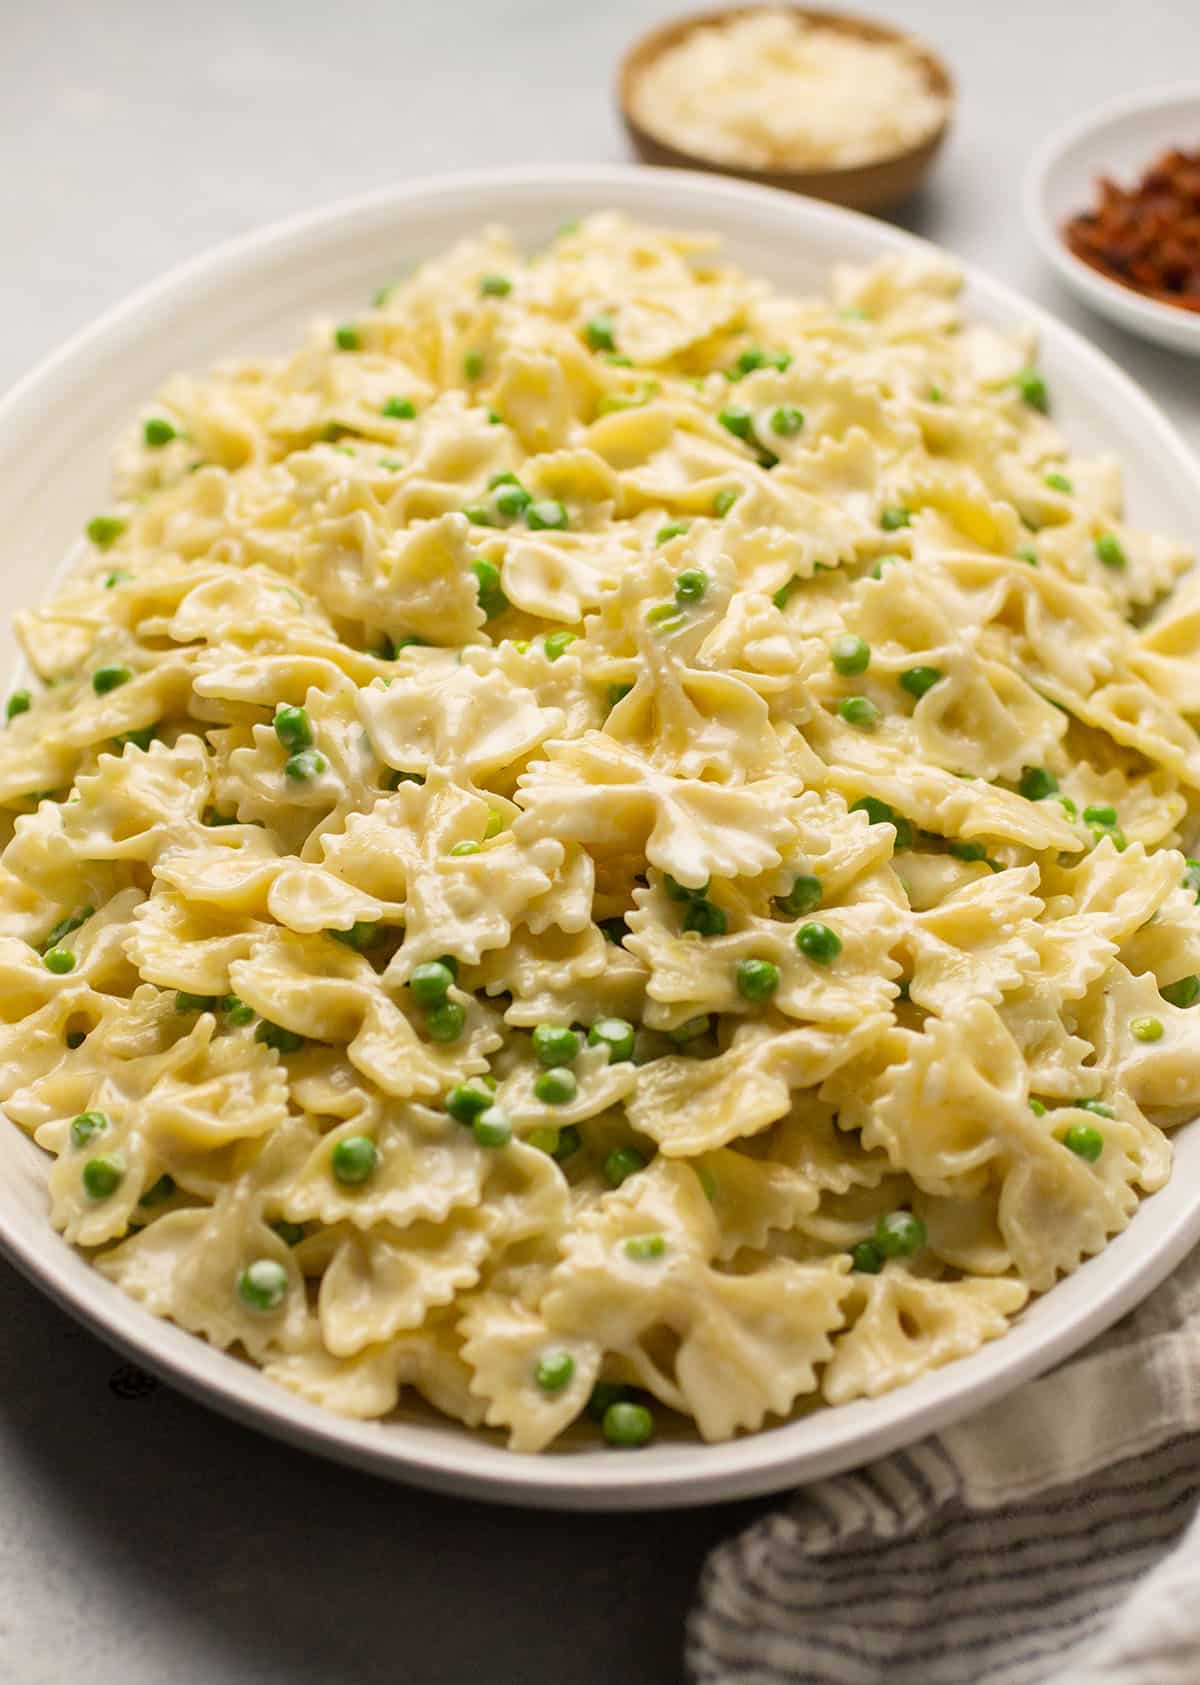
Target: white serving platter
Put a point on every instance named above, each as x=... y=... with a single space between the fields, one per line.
x=256 y=294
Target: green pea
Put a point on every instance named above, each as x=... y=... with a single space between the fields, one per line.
x=495 y=286
x=1085 y=1141
x=353 y=1160
x=690 y=1030
x=891 y=520
x=104 y=530
x=1109 y=551
x=263 y=1285
x=492 y=1128
x=214 y=817
x=555 y=1044
x=430 y=982
x=1191 y=877
x=101 y=1177
x=1185 y=992
x=141 y=739
x=628 y=1425
x=622 y=1163
x=866 y=1258
x=935 y=395
x=859 y=712
x=879 y=813
x=1101 y=1108
x=557 y=1087
x=600 y=333
x=546 y=515
x=705 y=918
x=569 y=1142
x=400 y=409
x=109 y=678
x=472 y=364
x=818 y=943
x=787 y=421
x=59 y=961
x=1059 y=482
x=603 y=1394
x=917 y=680
x=899 y=1234
x=1100 y=813
x=801 y=898
x=118 y=576
x=618 y=359
x=618 y=693
x=512 y=499
x=738 y=420
x=1032 y=389
x=362 y=934
x=554 y=1370
x=1025 y=554
x=690 y=586
x=347 y=337
x=753 y=357
x=849 y=654
x=465 y=847
x=617 y=1034
x=157 y=432
x=158 y=1192
x=309 y=763
x=20 y=702
x=724 y=501
x=1036 y=1106
x=643 y=1247
x=237 y=1012
x=291 y=1234
x=185 y=1002
x=274 y=1035
x=87 y=1125
x=1036 y=783
x=465 y=1103
x=293 y=728
x=446 y=1022
x=487 y=579
x=1146 y=1029
x=557 y=643
x=757 y=980
x=969 y=851
x=784 y=595
x=680 y=892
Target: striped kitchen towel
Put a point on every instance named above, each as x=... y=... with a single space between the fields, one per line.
x=1050 y=1540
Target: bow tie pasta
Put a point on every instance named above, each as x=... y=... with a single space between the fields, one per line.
x=601 y=841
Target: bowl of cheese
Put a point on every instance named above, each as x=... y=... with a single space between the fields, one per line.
x=824 y=103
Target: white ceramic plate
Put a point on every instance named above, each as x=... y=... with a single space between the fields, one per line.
x=1120 y=140
x=56 y=430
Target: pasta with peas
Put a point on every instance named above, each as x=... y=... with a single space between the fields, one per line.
x=599 y=838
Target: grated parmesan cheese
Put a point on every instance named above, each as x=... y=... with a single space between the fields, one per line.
x=770 y=90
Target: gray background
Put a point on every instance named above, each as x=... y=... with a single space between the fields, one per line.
x=143 y=1539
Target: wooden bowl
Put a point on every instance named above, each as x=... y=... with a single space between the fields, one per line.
x=863 y=187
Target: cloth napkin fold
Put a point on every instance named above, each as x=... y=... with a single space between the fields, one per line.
x=1050 y=1540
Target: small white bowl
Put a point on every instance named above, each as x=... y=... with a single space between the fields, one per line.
x=1120 y=140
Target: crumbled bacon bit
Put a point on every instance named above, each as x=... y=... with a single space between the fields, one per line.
x=1147 y=237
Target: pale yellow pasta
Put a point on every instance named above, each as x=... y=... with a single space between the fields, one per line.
x=603 y=837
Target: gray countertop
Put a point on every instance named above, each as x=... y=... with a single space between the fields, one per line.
x=143 y=1538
